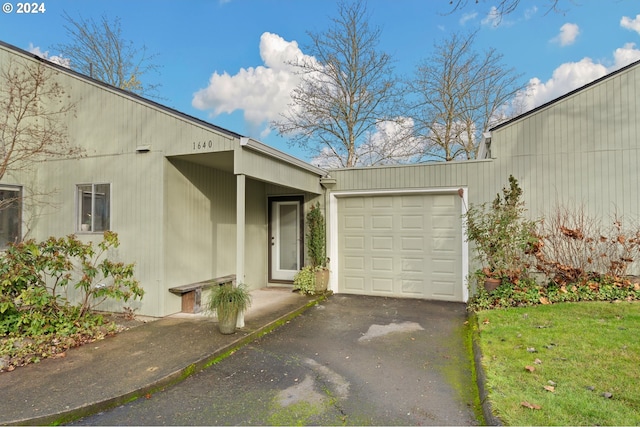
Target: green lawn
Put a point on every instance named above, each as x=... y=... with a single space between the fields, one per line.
x=586 y=354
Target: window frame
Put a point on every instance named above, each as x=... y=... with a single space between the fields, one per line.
x=91 y=190
x=19 y=189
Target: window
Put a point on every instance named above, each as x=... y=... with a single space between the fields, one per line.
x=10 y=215
x=94 y=207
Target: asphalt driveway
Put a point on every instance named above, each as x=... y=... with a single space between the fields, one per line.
x=351 y=360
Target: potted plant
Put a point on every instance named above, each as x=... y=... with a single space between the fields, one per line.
x=502 y=236
x=316 y=247
x=228 y=301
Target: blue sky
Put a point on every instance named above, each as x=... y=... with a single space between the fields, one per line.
x=223 y=60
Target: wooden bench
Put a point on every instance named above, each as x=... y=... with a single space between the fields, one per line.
x=192 y=294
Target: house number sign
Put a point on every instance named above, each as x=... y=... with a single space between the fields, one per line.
x=202 y=145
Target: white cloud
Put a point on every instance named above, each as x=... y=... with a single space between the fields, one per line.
x=530 y=13
x=468 y=17
x=65 y=62
x=572 y=75
x=625 y=55
x=631 y=24
x=568 y=34
x=493 y=18
x=263 y=92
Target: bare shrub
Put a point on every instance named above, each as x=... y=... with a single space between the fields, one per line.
x=574 y=247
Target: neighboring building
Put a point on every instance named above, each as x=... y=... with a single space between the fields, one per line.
x=191 y=201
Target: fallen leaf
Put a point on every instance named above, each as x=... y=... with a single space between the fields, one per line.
x=550 y=388
x=537 y=361
x=147 y=396
x=531 y=349
x=553 y=383
x=607 y=395
x=544 y=300
x=530 y=405
x=529 y=368
x=485 y=321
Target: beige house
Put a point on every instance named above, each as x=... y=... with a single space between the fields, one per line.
x=191 y=201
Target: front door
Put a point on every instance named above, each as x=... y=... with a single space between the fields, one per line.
x=285 y=239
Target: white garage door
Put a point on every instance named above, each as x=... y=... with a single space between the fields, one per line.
x=401 y=246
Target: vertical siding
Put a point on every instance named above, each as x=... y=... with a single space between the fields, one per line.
x=477 y=176
x=200 y=218
x=136 y=212
x=580 y=150
x=256 y=245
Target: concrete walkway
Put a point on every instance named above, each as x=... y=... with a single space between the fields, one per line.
x=142 y=360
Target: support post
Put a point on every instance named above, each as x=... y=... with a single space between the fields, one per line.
x=240 y=234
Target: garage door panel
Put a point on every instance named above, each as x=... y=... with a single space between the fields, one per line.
x=354 y=263
x=401 y=245
x=354 y=242
x=382 y=243
x=382 y=222
x=353 y=203
x=443 y=289
x=382 y=202
x=353 y=222
x=444 y=244
x=412 y=244
x=354 y=284
x=446 y=222
x=413 y=265
x=411 y=202
x=382 y=285
x=413 y=287
x=380 y=264
x=412 y=222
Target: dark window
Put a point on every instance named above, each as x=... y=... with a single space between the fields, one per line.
x=94 y=207
x=10 y=215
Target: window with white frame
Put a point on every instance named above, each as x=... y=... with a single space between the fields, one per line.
x=10 y=215
x=94 y=207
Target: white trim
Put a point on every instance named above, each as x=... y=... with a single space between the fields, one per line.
x=333 y=227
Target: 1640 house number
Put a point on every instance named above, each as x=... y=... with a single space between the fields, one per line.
x=202 y=145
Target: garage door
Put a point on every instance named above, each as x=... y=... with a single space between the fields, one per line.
x=401 y=246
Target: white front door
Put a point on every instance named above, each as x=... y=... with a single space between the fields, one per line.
x=285 y=239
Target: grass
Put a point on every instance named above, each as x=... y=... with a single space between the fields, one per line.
x=579 y=351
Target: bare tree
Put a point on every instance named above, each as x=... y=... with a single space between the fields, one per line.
x=347 y=88
x=99 y=50
x=34 y=106
x=33 y=111
x=503 y=7
x=456 y=95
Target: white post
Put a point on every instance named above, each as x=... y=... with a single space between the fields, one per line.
x=240 y=234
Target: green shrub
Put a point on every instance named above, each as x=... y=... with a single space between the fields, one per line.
x=501 y=233
x=316 y=237
x=305 y=280
x=36 y=277
x=528 y=293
